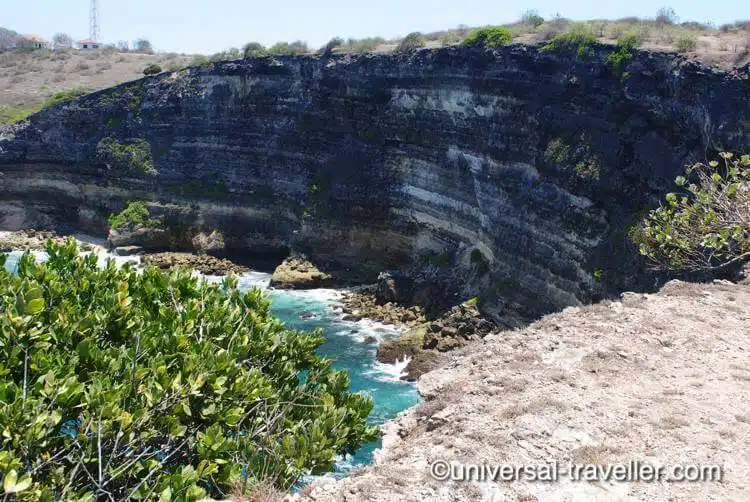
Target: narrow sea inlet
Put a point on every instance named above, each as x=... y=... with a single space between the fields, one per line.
x=309 y=310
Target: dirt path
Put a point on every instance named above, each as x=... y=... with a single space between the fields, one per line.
x=661 y=378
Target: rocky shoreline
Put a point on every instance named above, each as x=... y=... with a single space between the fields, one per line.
x=33 y=240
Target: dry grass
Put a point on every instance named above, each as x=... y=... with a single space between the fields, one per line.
x=594 y=455
x=519 y=409
x=28 y=78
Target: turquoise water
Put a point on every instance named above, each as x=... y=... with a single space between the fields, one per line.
x=345 y=345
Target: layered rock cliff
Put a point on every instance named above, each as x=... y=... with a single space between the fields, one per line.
x=513 y=174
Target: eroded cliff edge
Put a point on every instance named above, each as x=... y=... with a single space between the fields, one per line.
x=512 y=174
x=660 y=379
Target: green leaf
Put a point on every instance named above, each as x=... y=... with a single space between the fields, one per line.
x=12 y=484
x=83 y=349
x=165 y=495
x=34 y=306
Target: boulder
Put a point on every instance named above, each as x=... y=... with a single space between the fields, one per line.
x=128 y=250
x=407 y=345
x=423 y=362
x=393 y=287
x=296 y=272
x=212 y=243
x=148 y=238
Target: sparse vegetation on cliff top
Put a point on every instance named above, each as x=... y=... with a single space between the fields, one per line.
x=490 y=38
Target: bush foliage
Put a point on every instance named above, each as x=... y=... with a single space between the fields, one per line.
x=490 y=38
x=135 y=213
x=624 y=51
x=152 y=69
x=579 y=41
x=708 y=225
x=134 y=155
x=411 y=42
x=117 y=384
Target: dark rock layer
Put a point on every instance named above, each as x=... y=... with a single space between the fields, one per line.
x=511 y=174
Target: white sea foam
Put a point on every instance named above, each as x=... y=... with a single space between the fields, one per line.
x=383 y=372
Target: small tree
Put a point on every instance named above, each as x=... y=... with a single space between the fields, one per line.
x=144 y=46
x=665 y=16
x=253 y=49
x=532 y=18
x=705 y=227
x=332 y=44
x=152 y=69
x=62 y=41
x=411 y=42
x=123 y=46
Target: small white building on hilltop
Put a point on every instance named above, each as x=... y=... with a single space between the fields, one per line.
x=89 y=45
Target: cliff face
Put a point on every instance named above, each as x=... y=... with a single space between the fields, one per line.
x=512 y=173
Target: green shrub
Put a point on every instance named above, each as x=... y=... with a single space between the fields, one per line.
x=136 y=213
x=686 y=42
x=152 y=69
x=154 y=385
x=286 y=49
x=706 y=226
x=557 y=151
x=490 y=37
x=624 y=51
x=253 y=49
x=411 y=42
x=135 y=155
x=579 y=41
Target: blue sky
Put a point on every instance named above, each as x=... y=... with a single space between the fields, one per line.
x=208 y=26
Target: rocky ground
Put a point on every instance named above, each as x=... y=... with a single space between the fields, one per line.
x=29 y=240
x=662 y=378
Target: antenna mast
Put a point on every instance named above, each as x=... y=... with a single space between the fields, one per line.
x=94 y=21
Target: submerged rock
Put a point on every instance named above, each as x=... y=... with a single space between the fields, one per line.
x=296 y=272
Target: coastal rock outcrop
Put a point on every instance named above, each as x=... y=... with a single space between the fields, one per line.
x=511 y=174
x=296 y=272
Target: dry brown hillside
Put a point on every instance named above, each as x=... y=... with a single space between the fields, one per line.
x=28 y=78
